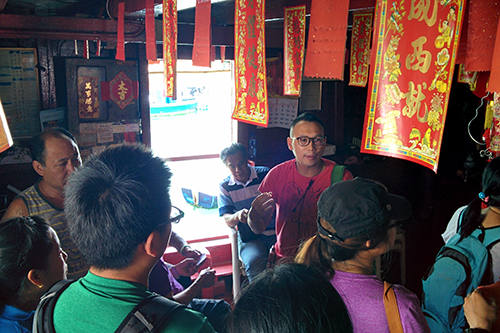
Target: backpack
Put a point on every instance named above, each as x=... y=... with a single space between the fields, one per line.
x=460 y=267
x=147 y=316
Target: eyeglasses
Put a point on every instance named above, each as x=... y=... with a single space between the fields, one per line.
x=175 y=215
x=304 y=141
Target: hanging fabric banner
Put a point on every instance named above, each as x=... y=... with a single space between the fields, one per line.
x=360 y=48
x=98 y=48
x=149 y=23
x=411 y=79
x=295 y=38
x=325 y=55
x=120 y=40
x=202 y=34
x=169 y=45
x=483 y=21
x=222 y=53
x=250 y=63
x=494 y=83
x=86 y=54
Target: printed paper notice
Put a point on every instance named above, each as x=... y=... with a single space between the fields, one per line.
x=103 y=137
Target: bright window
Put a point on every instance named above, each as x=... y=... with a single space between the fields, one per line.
x=190 y=132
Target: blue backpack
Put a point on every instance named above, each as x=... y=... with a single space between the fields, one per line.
x=460 y=267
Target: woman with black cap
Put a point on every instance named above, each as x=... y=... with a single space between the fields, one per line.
x=356 y=224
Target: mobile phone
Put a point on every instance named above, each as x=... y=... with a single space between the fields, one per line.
x=201 y=260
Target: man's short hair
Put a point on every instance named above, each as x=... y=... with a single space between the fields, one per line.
x=114 y=201
x=233 y=149
x=306 y=116
x=37 y=143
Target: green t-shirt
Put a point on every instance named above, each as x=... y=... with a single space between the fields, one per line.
x=97 y=304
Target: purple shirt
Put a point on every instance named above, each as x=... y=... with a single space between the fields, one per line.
x=162 y=282
x=363 y=297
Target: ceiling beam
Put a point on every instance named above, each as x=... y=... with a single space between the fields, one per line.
x=50 y=27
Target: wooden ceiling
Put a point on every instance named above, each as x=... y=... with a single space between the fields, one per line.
x=96 y=19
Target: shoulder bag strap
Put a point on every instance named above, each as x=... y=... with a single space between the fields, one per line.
x=149 y=315
x=391 y=309
x=43 y=321
x=337 y=173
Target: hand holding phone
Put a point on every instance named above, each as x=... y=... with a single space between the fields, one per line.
x=201 y=260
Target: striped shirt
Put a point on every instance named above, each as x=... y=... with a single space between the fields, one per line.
x=234 y=196
x=38 y=205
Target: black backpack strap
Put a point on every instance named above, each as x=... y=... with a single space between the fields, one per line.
x=149 y=315
x=43 y=321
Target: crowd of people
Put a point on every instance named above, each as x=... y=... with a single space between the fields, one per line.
x=308 y=243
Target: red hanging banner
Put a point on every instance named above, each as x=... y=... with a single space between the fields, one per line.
x=483 y=21
x=295 y=37
x=120 y=43
x=250 y=63
x=325 y=55
x=360 y=48
x=494 y=83
x=202 y=34
x=412 y=74
x=150 y=30
x=222 y=53
x=86 y=54
x=169 y=45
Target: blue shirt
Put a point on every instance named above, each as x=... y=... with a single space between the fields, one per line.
x=13 y=320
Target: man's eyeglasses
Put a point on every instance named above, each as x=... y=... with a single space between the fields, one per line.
x=175 y=215
x=304 y=141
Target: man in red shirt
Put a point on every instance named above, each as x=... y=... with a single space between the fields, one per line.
x=292 y=188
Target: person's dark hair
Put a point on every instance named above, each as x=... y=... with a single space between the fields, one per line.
x=114 y=202
x=233 y=149
x=319 y=252
x=25 y=244
x=289 y=298
x=491 y=189
x=37 y=143
x=306 y=116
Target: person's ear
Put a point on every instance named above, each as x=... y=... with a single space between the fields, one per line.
x=155 y=244
x=38 y=167
x=289 y=143
x=35 y=278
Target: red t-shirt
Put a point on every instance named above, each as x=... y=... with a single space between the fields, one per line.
x=296 y=199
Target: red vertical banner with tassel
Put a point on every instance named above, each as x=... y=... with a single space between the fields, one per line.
x=150 y=31
x=169 y=45
x=295 y=38
x=202 y=34
x=120 y=44
x=250 y=63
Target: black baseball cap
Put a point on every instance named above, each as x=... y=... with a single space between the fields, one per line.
x=358 y=206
